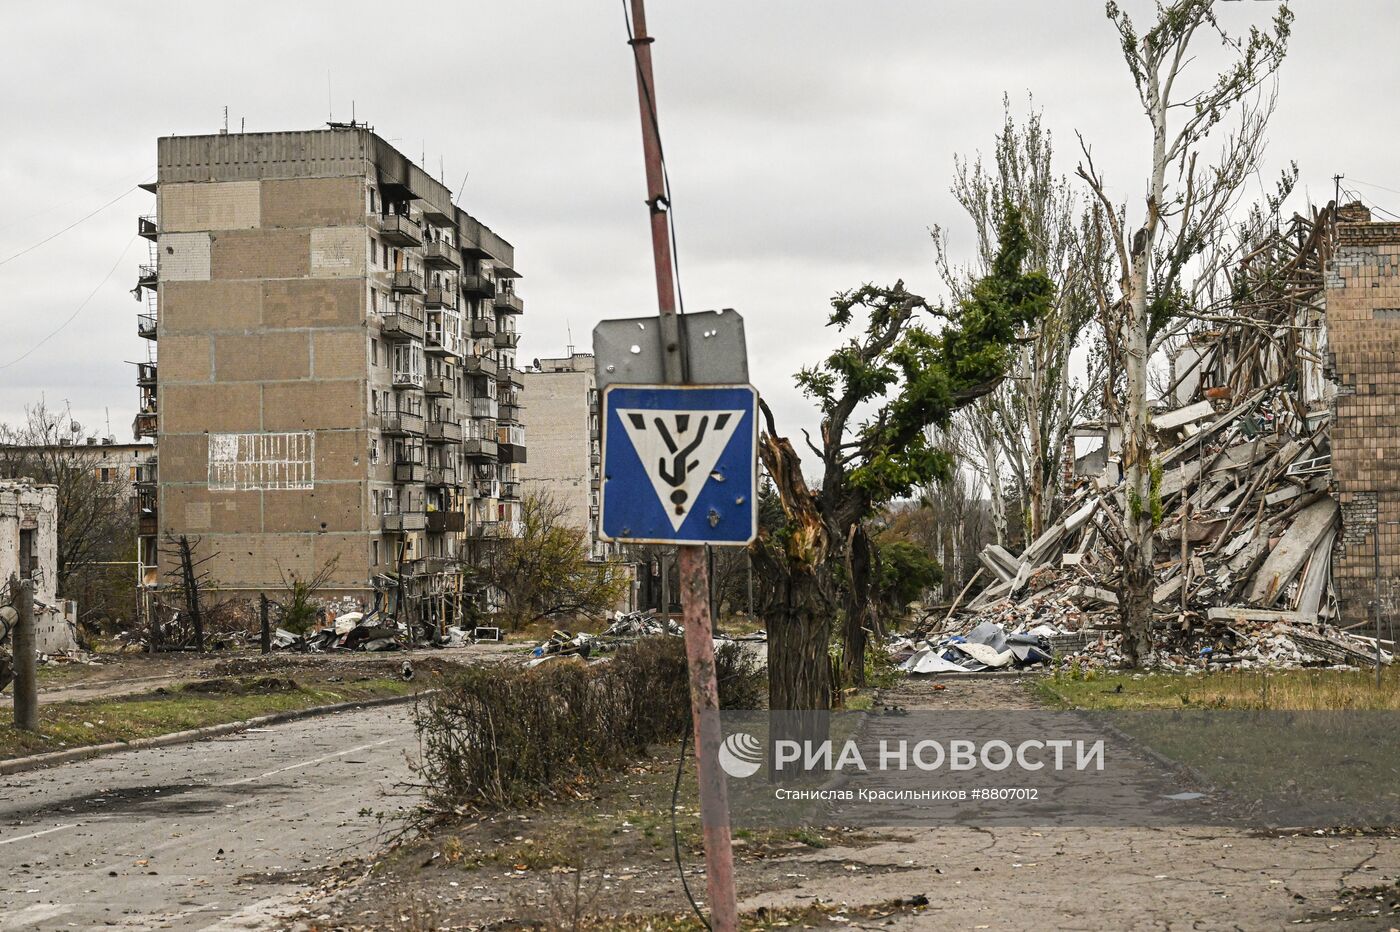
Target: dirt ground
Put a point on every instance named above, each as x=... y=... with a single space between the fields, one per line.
x=603 y=859
x=121 y=674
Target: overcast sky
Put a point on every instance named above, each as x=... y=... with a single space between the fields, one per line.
x=810 y=144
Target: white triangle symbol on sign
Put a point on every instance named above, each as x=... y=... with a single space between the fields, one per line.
x=678 y=450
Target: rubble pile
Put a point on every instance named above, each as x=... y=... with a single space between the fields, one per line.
x=1244 y=543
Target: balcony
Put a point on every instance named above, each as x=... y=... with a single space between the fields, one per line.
x=410 y=472
x=482 y=327
x=446 y=521
x=507 y=338
x=510 y=491
x=478 y=285
x=486 y=528
x=398 y=522
x=146 y=326
x=441 y=342
x=440 y=476
x=479 y=448
x=487 y=488
x=406 y=281
x=436 y=386
x=145 y=425
x=444 y=432
x=401 y=423
x=484 y=407
x=148 y=525
x=440 y=255
x=510 y=412
x=440 y=298
x=509 y=303
x=511 y=377
x=398 y=230
x=479 y=365
x=146 y=226
x=147 y=276
x=402 y=326
x=406 y=378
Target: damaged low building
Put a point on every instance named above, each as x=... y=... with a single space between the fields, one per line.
x=1277 y=444
x=29 y=550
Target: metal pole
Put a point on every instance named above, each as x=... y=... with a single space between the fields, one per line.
x=695 y=583
x=26 y=681
x=265 y=642
x=1376 y=570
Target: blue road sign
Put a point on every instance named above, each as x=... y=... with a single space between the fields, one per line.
x=679 y=464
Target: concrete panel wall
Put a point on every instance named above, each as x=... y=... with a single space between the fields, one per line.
x=202 y=307
x=339 y=252
x=184 y=257
x=228 y=205
x=211 y=407
x=263 y=356
x=318 y=405
x=314 y=303
x=260 y=254
x=305 y=202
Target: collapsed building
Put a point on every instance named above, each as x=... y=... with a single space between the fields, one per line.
x=1277 y=444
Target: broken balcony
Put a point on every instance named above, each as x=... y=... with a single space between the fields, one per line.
x=147 y=276
x=403 y=521
x=482 y=327
x=479 y=365
x=146 y=326
x=510 y=491
x=407 y=378
x=444 y=432
x=441 y=521
x=441 y=342
x=441 y=476
x=406 y=281
x=401 y=325
x=441 y=298
x=479 y=448
x=410 y=472
x=510 y=303
x=144 y=425
x=507 y=337
x=440 y=255
x=478 y=286
x=146 y=227
x=399 y=230
x=401 y=423
x=436 y=386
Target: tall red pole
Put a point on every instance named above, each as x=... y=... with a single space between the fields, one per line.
x=694 y=572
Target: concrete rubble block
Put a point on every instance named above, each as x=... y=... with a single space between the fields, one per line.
x=1303 y=536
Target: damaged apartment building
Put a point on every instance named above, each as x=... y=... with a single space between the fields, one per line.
x=331 y=373
x=1277 y=443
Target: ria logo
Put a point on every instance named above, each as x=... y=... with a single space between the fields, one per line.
x=741 y=755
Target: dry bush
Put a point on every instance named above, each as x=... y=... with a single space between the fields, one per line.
x=500 y=736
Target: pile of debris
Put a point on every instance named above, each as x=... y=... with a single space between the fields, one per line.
x=627 y=627
x=348 y=632
x=1244 y=545
x=986 y=647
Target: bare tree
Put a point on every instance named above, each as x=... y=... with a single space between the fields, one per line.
x=1186 y=212
x=96 y=520
x=1017 y=434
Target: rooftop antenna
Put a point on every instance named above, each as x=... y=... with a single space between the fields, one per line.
x=442 y=172
x=108 y=412
x=568 y=329
x=225 y=119
x=463 y=186
x=330 y=104
x=242 y=124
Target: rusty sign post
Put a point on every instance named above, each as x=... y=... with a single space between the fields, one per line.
x=694 y=571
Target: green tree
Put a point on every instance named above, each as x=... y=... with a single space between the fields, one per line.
x=905 y=571
x=906 y=365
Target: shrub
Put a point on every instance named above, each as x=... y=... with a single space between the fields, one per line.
x=499 y=736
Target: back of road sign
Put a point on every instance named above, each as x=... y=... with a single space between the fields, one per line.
x=679 y=464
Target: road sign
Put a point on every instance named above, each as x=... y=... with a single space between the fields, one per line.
x=679 y=464
x=631 y=351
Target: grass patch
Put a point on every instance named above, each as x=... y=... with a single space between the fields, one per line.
x=1245 y=690
x=64 y=725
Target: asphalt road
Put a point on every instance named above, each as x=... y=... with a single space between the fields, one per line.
x=213 y=835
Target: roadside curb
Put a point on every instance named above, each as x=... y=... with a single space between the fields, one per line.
x=51 y=758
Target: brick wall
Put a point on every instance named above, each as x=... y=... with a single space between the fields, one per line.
x=1363 y=323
